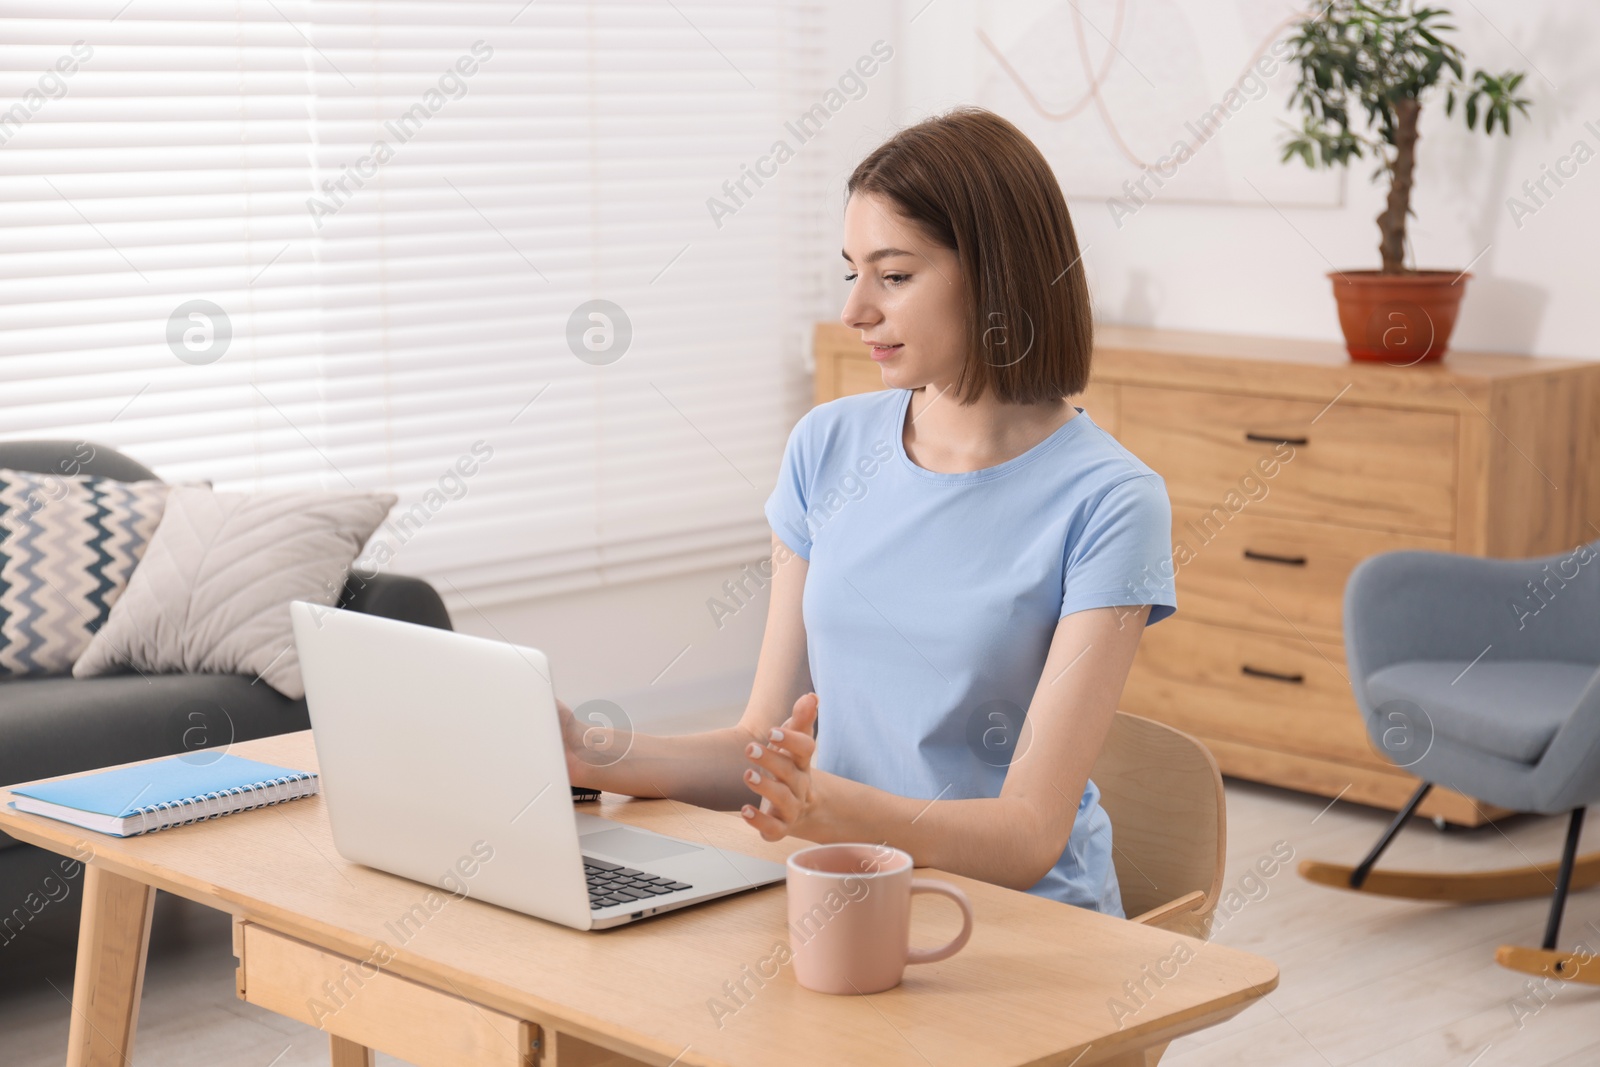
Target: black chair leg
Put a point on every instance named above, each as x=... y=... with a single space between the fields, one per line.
x=1364 y=868
x=1558 y=902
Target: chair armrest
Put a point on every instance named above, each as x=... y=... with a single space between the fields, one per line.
x=1569 y=770
x=396 y=596
x=1189 y=902
x=1412 y=605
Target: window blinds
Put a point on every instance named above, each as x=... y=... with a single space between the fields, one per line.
x=457 y=251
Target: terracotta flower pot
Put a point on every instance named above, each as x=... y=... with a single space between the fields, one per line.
x=1399 y=319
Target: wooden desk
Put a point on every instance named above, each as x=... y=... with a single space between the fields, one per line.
x=369 y=958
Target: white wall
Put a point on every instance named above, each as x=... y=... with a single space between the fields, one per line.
x=1239 y=269
x=1244 y=269
x=653 y=648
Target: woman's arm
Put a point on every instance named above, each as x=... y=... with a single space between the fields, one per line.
x=705 y=768
x=1011 y=840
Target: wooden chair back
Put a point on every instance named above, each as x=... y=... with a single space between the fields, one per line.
x=1163 y=792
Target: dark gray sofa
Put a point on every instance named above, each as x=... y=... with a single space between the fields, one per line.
x=61 y=725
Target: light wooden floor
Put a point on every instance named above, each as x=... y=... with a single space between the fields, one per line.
x=1370 y=981
x=1365 y=981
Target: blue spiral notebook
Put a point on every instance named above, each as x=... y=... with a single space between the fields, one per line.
x=128 y=801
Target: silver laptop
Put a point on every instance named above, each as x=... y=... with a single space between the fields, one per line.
x=442 y=761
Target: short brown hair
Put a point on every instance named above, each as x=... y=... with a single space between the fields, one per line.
x=978 y=186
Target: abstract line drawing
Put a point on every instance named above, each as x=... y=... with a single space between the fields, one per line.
x=1111 y=89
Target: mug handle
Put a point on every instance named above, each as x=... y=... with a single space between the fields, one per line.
x=943 y=952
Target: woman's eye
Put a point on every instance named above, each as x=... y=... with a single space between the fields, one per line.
x=849 y=277
x=897 y=279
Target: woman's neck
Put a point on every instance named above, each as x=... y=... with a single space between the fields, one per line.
x=943 y=435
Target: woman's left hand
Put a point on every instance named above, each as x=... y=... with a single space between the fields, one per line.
x=780 y=773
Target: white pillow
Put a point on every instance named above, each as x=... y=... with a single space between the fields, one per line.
x=211 y=593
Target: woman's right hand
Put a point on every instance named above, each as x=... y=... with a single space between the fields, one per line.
x=594 y=742
x=572 y=732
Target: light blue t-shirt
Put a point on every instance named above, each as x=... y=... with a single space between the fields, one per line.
x=931 y=600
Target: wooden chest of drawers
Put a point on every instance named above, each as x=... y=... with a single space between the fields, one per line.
x=1287 y=464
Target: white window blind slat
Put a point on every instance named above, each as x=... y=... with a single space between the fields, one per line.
x=391 y=314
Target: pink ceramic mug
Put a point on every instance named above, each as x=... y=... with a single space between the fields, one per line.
x=850 y=917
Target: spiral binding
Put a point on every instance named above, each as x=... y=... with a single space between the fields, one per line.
x=150 y=816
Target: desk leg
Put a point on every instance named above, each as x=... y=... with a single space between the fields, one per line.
x=113 y=938
x=344 y=1053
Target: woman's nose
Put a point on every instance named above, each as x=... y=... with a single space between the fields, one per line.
x=857 y=313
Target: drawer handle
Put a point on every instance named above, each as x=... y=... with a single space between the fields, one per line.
x=1257 y=672
x=1274 y=439
x=1265 y=557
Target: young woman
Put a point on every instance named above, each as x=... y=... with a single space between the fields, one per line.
x=964 y=562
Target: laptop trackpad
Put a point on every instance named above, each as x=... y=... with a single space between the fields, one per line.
x=625 y=844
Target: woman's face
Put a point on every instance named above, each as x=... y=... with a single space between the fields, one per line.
x=906 y=292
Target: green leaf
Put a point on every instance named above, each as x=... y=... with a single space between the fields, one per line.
x=1357 y=61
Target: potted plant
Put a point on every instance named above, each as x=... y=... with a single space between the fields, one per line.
x=1366 y=67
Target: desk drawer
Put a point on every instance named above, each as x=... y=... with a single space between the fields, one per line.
x=1254 y=570
x=1354 y=464
x=1275 y=692
x=358 y=1001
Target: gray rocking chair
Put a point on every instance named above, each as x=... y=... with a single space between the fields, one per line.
x=1483 y=676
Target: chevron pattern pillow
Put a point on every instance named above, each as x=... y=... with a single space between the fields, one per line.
x=68 y=546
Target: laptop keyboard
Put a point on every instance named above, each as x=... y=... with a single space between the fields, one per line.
x=612 y=883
